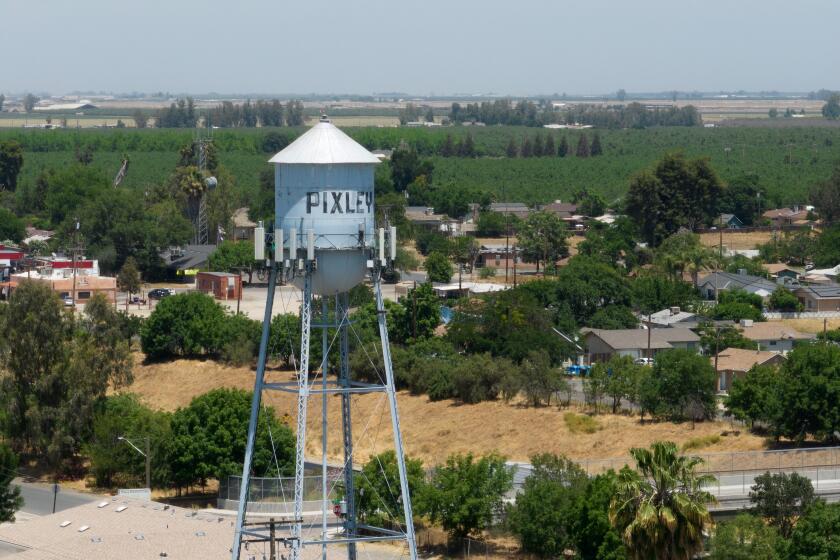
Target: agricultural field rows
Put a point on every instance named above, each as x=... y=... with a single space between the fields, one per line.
x=787 y=161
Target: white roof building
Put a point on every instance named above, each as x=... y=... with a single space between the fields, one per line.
x=324 y=144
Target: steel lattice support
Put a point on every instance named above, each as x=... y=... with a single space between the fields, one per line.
x=342 y=310
x=255 y=411
x=303 y=400
x=395 y=418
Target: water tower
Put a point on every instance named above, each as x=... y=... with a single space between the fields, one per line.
x=325 y=241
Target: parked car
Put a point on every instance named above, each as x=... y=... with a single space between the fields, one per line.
x=576 y=370
x=68 y=302
x=160 y=293
x=643 y=361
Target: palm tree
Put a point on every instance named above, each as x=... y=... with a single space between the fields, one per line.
x=660 y=508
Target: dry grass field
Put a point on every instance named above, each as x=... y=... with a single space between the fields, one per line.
x=433 y=430
x=737 y=240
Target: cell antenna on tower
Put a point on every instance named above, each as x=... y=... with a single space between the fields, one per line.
x=325 y=241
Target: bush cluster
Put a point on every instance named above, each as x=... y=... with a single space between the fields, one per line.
x=194 y=325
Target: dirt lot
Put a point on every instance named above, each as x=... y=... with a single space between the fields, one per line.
x=432 y=430
x=811 y=325
x=736 y=240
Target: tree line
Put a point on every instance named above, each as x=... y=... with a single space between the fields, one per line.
x=528 y=113
x=182 y=113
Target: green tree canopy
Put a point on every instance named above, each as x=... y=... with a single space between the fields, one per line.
x=660 y=508
x=677 y=193
x=58 y=367
x=744 y=538
x=208 y=439
x=10 y=500
x=542 y=238
x=544 y=515
x=684 y=380
x=11 y=162
x=831 y=109
x=183 y=325
x=466 y=493
x=815 y=535
x=232 y=256
x=12 y=228
x=112 y=461
x=378 y=496
x=438 y=267
x=782 y=498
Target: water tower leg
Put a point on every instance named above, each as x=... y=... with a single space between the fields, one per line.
x=395 y=419
x=350 y=524
x=325 y=498
x=255 y=411
x=303 y=398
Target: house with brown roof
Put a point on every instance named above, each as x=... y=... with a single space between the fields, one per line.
x=734 y=363
x=562 y=209
x=602 y=344
x=243 y=226
x=786 y=216
x=773 y=335
x=781 y=270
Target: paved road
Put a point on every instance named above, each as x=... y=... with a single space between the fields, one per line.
x=38 y=498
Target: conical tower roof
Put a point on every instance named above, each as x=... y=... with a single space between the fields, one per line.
x=324 y=144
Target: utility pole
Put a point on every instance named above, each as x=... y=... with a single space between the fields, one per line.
x=507 y=246
x=148 y=464
x=75 y=249
x=514 y=266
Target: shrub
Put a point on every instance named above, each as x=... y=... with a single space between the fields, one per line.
x=783 y=299
x=438 y=267
x=487 y=272
x=581 y=423
x=700 y=442
x=114 y=462
x=480 y=377
x=183 y=325
x=240 y=339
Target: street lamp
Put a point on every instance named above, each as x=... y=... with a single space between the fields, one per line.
x=147 y=455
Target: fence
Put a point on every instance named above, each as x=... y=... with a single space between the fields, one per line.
x=276 y=495
x=721 y=462
x=802 y=315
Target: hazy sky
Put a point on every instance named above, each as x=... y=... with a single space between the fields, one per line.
x=432 y=46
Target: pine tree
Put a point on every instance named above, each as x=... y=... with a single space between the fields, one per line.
x=467 y=147
x=527 y=149
x=448 y=147
x=511 y=151
x=563 y=148
x=583 y=147
x=538 y=146
x=596 y=149
x=549 y=149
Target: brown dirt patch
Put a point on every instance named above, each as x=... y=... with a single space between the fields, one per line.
x=811 y=325
x=432 y=430
x=737 y=240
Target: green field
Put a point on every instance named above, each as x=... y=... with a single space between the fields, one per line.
x=786 y=160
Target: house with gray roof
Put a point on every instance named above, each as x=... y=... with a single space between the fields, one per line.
x=819 y=298
x=602 y=344
x=712 y=284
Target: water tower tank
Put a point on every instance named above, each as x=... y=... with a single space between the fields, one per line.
x=323 y=183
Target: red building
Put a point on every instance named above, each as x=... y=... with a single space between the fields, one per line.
x=221 y=285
